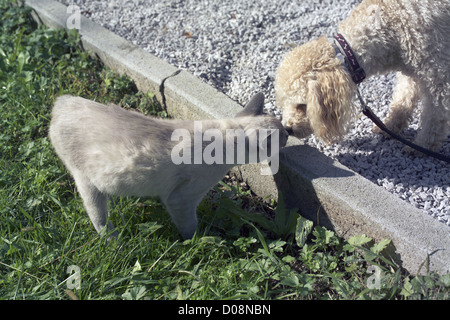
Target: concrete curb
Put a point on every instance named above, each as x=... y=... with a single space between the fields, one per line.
x=324 y=190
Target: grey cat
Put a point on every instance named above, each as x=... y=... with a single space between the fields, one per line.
x=112 y=151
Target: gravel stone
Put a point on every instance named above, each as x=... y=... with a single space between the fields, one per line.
x=236 y=46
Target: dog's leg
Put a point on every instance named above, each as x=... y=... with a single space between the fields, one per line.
x=434 y=123
x=404 y=101
x=95 y=203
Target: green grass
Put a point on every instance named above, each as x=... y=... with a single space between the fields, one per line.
x=243 y=249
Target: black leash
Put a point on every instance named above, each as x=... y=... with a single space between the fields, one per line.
x=358 y=75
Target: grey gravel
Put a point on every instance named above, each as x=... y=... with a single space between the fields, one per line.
x=236 y=46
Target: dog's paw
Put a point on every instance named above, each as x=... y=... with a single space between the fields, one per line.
x=378 y=130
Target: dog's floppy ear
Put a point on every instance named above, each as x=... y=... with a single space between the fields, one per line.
x=254 y=107
x=329 y=106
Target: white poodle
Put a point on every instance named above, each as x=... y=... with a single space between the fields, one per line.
x=315 y=89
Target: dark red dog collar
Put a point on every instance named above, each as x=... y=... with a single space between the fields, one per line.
x=356 y=71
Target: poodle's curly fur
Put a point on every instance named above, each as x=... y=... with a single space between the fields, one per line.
x=315 y=91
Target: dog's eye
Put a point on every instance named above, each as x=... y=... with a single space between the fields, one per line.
x=301 y=107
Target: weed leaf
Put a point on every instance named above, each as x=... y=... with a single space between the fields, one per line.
x=303 y=230
x=358 y=241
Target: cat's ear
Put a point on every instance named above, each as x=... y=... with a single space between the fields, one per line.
x=254 y=107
